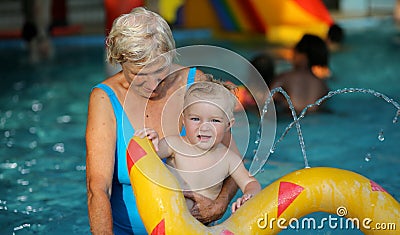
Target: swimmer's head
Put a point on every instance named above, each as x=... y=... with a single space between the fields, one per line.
x=314 y=48
x=139 y=37
x=335 y=34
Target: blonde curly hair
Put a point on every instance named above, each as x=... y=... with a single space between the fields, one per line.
x=139 y=37
x=215 y=91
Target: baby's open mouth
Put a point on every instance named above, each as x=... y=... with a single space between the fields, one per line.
x=204 y=137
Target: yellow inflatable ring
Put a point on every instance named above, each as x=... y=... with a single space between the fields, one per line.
x=295 y=195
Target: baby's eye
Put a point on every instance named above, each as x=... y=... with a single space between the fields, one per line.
x=215 y=120
x=195 y=119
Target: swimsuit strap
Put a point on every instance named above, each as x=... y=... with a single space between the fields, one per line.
x=191 y=77
x=113 y=98
x=190 y=81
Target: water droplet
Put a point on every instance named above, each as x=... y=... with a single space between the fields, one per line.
x=395 y=119
x=22 y=198
x=381 y=137
x=30 y=163
x=271 y=150
x=33 y=144
x=368 y=157
x=32 y=130
x=8 y=165
x=37 y=106
x=10 y=143
x=22 y=182
x=59 y=147
x=7 y=134
x=25 y=171
x=80 y=168
x=64 y=119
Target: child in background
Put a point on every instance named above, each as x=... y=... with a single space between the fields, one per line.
x=199 y=160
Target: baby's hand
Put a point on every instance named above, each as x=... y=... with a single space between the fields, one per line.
x=240 y=201
x=151 y=134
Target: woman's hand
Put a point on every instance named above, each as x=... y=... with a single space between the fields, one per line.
x=240 y=201
x=205 y=210
x=151 y=134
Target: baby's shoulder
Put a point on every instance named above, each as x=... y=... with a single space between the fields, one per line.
x=228 y=154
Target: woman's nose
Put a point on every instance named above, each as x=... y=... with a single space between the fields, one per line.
x=154 y=82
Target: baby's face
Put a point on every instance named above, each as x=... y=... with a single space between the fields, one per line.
x=206 y=124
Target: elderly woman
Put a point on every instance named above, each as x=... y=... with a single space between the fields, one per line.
x=139 y=42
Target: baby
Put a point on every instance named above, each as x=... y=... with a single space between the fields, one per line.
x=199 y=160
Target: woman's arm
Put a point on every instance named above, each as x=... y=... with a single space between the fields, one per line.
x=100 y=151
x=206 y=210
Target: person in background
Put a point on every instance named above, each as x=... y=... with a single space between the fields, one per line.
x=142 y=43
x=264 y=64
x=36 y=29
x=199 y=160
x=335 y=37
x=304 y=83
x=396 y=13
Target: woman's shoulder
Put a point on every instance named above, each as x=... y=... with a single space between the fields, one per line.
x=114 y=84
x=182 y=73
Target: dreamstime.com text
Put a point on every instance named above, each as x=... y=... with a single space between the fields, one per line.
x=331 y=222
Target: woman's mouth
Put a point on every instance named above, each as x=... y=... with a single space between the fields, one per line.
x=148 y=90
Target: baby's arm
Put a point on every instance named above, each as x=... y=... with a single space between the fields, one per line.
x=248 y=184
x=252 y=189
x=161 y=146
x=151 y=134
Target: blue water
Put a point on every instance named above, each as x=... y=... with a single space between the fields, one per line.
x=43 y=117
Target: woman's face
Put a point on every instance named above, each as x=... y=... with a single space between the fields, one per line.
x=145 y=81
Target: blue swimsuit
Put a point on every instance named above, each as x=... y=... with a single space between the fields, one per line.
x=126 y=218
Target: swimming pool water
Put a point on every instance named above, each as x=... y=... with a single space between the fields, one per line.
x=42 y=123
x=43 y=117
